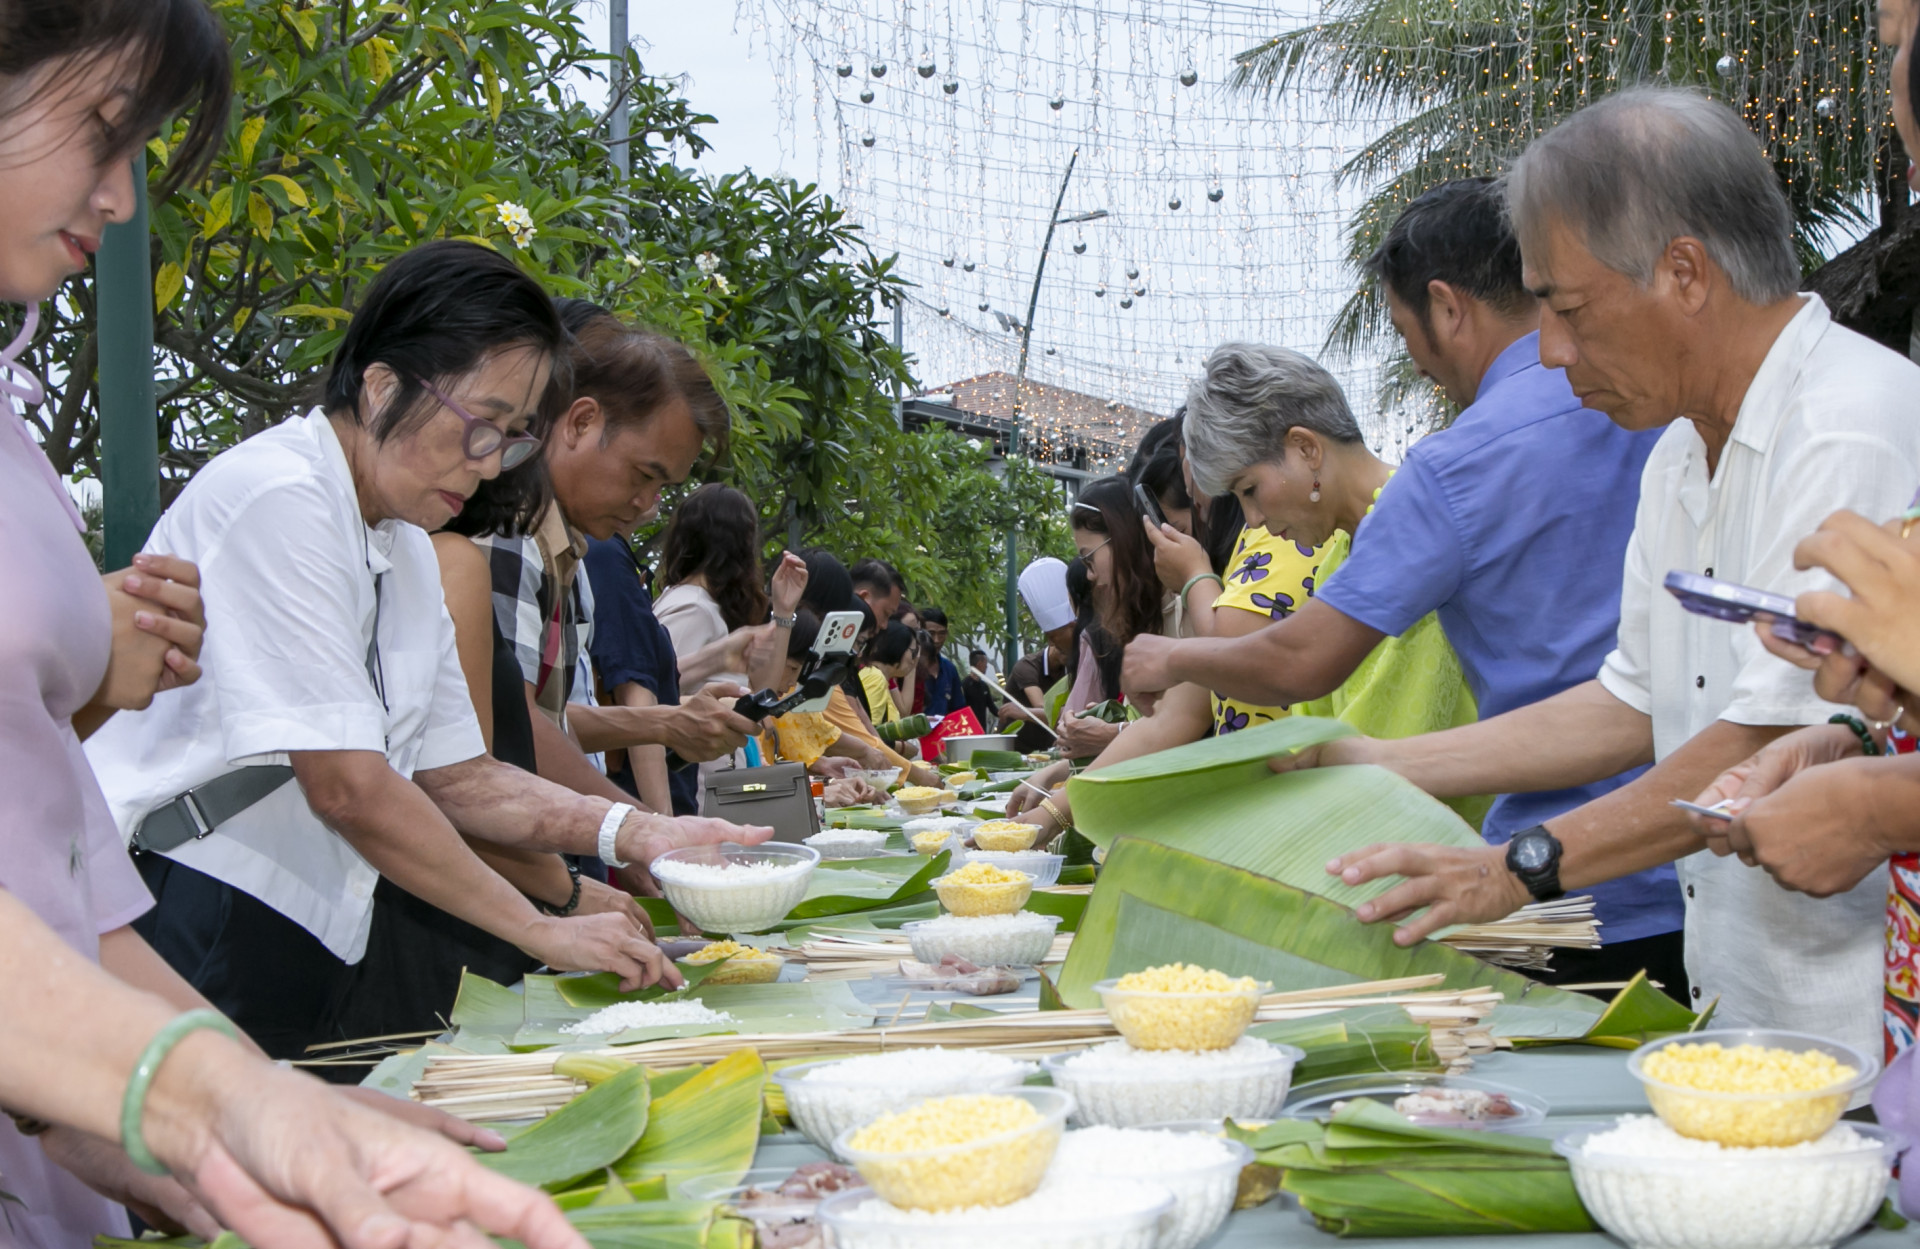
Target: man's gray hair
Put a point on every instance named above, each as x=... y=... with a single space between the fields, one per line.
x=1637 y=170
x=1240 y=410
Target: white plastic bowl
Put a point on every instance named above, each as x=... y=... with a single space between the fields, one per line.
x=823 y=1107
x=1043 y=867
x=1132 y=1216
x=1135 y=1097
x=744 y=907
x=1750 y=1199
x=1030 y=943
x=1202 y=1193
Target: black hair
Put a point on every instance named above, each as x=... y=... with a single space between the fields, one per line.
x=1106 y=507
x=878 y=574
x=178 y=54
x=1163 y=478
x=1107 y=654
x=1913 y=65
x=891 y=644
x=577 y=314
x=976 y=653
x=932 y=615
x=1457 y=233
x=1159 y=436
x=856 y=693
x=1219 y=532
x=434 y=313
x=805 y=632
x=829 y=588
x=716 y=533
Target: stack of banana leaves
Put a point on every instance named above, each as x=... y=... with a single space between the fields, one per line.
x=1369 y=1172
x=614 y=1156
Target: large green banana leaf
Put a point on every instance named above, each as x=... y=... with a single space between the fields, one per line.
x=708 y=1125
x=583 y=1137
x=1355 y=1041
x=1218 y=798
x=1155 y=904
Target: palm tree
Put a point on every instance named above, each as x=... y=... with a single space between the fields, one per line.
x=1459 y=87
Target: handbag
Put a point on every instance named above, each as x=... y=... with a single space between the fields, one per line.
x=780 y=794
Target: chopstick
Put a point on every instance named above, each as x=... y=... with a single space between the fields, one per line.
x=1019 y=706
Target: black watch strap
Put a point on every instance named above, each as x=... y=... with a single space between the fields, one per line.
x=1534 y=856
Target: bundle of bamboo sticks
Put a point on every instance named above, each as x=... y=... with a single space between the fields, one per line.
x=857 y=953
x=516 y=1086
x=1528 y=937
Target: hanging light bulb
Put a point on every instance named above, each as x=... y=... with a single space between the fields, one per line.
x=1825 y=106
x=1100 y=291
x=1188 y=77
x=866 y=140
x=1049 y=351
x=844 y=69
x=1132 y=273
x=968 y=266
x=925 y=67
x=949 y=262
x=1725 y=66
x=866 y=95
x=1126 y=303
x=1216 y=194
x=1057 y=103
x=1174 y=203
x=984 y=307
x=1140 y=291
x=950 y=86
x=945 y=311
x=1080 y=249
x=878 y=69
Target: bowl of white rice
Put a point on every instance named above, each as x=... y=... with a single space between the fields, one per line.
x=1119 y=1086
x=734 y=888
x=1042 y=866
x=1066 y=1213
x=1656 y=1189
x=848 y=843
x=826 y=1098
x=1018 y=939
x=1202 y=1170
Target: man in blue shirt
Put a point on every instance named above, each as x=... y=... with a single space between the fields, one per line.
x=1511 y=524
x=942 y=685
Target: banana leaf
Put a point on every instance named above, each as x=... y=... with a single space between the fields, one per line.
x=485 y=1007
x=1219 y=799
x=611 y=1191
x=996 y=761
x=783 y=1006
x=871 y=818
x=1354 y=1041
x=583 y=1137
x=1638 y=1013
x=1155 y=904
x=709 y=1125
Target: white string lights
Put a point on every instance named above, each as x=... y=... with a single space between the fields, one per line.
x=950 y=123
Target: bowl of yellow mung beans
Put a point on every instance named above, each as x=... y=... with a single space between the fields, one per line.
x=983 y=889
x=1751 y=1087
x=1181 y=1007
x=950 y=1153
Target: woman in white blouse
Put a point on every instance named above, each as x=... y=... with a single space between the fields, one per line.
x=333 y=663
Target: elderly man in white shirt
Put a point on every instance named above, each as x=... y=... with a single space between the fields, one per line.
x=1658 y=240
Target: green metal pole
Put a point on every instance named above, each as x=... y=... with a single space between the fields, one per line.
x=129 y=422
x=1013 y=601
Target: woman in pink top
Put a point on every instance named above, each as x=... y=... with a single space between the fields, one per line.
x=273 y=1155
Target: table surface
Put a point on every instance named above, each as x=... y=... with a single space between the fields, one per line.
x=1581 y=1084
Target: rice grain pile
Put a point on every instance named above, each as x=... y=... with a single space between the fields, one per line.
x=624 y=1015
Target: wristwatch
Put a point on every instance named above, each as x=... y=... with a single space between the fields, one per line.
x=1534 y=856
x=782 y=622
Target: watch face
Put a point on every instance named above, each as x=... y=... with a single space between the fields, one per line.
x=1530 y=853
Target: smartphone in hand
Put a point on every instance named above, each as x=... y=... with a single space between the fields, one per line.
x=1148 y=505
x=1727 y=600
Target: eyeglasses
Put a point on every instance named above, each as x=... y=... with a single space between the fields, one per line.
x=1088 y=555
x=484 y=438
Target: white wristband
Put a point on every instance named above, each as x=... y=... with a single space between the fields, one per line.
x=610 y=831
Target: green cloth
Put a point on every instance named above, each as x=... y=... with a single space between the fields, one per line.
x=1409 y=685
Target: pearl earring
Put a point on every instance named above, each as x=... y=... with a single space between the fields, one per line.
x=1315 y=496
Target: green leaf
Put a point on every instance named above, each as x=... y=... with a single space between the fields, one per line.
x=488 y=1008
x=706 y=1126
x=586 y=1135
x=1155 y=904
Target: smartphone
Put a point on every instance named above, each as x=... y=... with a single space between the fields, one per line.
x=1718 y=811
x=825 y=666
x=1726 y=600
x=1148 y=505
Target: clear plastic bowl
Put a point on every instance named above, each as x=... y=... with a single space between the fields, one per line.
x=1131 y=1216
x=879 y=778
x=927 y=804
x=745 y=907
x=992 y=1171
x=823 y=1107
x=1132 y=1098
x=1002 y=899
x=1315 y=1100
x=1202 y=1193
x=1180 y=1021
x=1043 y=867
x=1751 y=1120
x=849 y=843
x=1005 y=836
x=994 y=948
x=1751 y=1199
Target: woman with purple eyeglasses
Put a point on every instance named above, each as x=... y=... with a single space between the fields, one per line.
x=331 y=740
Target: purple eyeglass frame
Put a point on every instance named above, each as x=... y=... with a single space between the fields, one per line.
x=514 y=449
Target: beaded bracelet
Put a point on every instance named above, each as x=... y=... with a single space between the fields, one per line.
x=134 y=1104
x=1867 y=744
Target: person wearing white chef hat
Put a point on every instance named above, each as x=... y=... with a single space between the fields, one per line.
x=1043 y=588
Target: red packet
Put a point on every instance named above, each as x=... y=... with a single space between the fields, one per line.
x=956 y=724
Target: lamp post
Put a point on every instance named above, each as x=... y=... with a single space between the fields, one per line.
x=129 y=429
x=619 y=135
x=1019 y=392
